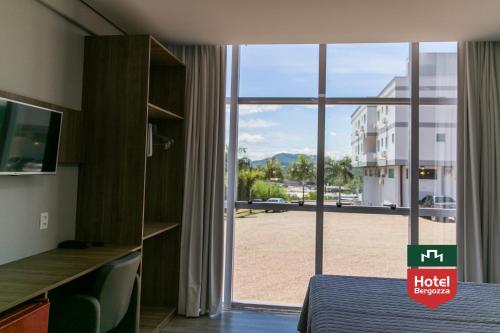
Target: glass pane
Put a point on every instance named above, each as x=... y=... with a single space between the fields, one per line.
x=279 y=71
x=367 y=70
x=438 y=173
x=366 y=155
x=438 y=70
x=277 y=153
x=273 y=256
x=365 y=244
x=438 y=144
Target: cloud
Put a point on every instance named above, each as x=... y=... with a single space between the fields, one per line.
x=250 y=138
x=247 y=109
x=333 y=134
x=303 y=150
x=257 y=123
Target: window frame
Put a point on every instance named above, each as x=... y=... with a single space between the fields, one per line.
x=412 y=171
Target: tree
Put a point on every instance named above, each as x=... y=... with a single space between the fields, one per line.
x=244 y=163
x=302 y=170
x=355 y=184
x=273 y=169
x=248 y=177
x=339 y=172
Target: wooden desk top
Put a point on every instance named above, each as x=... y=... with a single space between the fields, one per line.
x=24 y=279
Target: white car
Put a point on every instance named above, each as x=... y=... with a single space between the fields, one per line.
x=276 y=201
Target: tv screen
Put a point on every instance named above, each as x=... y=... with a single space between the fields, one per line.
x=29 y=138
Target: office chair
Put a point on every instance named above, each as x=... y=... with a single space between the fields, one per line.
x=111 y=304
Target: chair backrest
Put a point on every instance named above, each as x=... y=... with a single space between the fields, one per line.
x=113 y=288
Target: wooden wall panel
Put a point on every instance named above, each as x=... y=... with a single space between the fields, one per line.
x=111 y=181
x=71 y=144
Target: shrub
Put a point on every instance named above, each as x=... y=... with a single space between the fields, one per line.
x=311 y=196
x=263 y=190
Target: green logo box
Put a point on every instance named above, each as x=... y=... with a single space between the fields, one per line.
x=432 y=255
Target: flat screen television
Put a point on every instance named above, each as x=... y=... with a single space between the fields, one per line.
x=29 y=138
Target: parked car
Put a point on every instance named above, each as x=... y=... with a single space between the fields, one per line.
x=276 y=201
x=438 y=201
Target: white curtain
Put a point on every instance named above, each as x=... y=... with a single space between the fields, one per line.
x=201 y=267
x=479 y=163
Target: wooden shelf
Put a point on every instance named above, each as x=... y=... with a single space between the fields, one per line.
x=161 y=56
x=153 y=318
x=154 y=228
x=156 y=112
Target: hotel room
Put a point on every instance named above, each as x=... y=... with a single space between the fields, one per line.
x=224 y=166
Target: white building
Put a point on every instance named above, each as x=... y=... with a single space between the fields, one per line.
x=380 y=137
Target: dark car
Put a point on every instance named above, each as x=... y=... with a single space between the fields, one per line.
x=437 y=201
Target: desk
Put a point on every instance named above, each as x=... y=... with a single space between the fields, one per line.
x=24 y=279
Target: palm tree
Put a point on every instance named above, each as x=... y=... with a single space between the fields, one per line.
x=330 y=171
x=339 y=172
x=273 y=169
x=302 y=170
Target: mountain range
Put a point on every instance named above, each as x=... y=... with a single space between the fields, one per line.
x=284 y=158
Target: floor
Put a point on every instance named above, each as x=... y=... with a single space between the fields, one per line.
x=238 y=322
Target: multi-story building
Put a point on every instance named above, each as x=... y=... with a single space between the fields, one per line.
x=380 y=137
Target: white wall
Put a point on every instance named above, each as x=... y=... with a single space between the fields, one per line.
x=41 y=56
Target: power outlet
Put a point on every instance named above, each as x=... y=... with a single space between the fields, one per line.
x=44 y=220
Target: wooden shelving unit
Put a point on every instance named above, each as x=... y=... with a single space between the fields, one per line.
x=152 y=229
x=155 y=317
x=156 y=112
x=125 y=197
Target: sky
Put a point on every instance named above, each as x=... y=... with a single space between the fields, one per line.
x=353 y=70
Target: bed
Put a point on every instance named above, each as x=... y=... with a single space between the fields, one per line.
x=362 y=304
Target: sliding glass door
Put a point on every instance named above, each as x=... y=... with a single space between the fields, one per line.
x=321 y=174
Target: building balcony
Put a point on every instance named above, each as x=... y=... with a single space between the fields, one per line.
x=380 y=124
x=364 y=158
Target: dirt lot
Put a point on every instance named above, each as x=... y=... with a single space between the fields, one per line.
x=274 y=252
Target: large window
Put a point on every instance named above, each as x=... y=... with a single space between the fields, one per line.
x=324 y=176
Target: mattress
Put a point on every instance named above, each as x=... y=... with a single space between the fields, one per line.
x=363 y=304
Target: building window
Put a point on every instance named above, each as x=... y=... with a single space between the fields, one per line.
x=392 y=137
x=391 y=172
x=424 y=173
x=440 y=137
x=370 y=172
x=366 y=172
